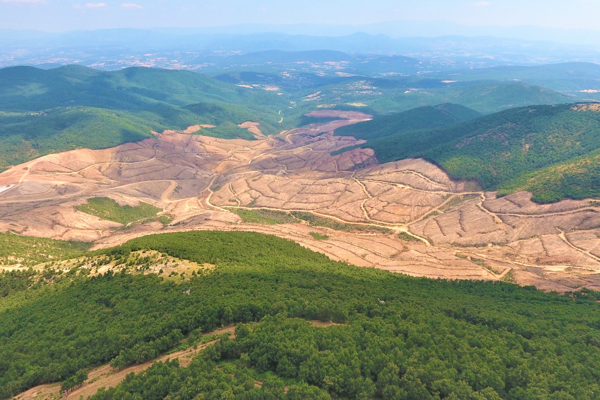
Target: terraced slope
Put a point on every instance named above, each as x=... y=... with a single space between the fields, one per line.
x=548 y=150
x=406 y=216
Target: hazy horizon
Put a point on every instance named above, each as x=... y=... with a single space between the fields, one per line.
x=60 y=15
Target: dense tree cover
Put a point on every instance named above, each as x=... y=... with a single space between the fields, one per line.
x=576 y=179
x=33 y=89
x=401 y=338
x=205 y=380
x=74 y=107
x=29 y=251
x=74 y=381
x=12 y=281
x=427 y=117
x=508 y=150
x=109 y=209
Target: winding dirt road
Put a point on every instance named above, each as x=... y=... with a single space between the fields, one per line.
x=197 y=179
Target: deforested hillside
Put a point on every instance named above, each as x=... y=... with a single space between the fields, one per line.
x=549 y=150
x=47 y=111
x=306 y=327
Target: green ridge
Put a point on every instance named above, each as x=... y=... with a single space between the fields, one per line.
x=550 y=150
x=43 y=112
x=399 y=337
x=427 y=117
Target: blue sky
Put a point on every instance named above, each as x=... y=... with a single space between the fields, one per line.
x=62 y=15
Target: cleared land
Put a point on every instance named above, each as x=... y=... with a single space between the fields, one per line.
x=199 y=181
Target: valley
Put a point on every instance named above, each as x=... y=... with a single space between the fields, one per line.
x=402 y=210
x=413 y=218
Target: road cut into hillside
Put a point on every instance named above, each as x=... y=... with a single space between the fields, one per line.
x=406 y=216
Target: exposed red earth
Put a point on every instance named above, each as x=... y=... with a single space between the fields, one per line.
x=451 y=229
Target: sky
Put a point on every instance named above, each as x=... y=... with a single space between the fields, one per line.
x=65 y=15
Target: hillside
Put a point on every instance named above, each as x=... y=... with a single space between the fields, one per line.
x=572 y=76
x=46 y=111
x=25 y=136
x=392 y=95
x=374 y=334
x=427 y=117
x=33 y=89
x=489 y=97
x=508 y=150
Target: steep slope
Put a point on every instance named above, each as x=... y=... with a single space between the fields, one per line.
x=505 y=151
x=427 y=117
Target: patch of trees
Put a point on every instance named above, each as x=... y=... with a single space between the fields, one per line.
x=399 y=338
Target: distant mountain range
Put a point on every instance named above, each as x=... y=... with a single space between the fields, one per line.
x=201 y=46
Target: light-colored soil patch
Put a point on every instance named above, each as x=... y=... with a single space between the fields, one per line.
x=587 y=106
x=253 y=128
x=145 y=262
x=323 y=324
x=198 y=179
x=196 y=128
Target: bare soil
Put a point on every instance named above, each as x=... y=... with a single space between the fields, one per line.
x=195 y=179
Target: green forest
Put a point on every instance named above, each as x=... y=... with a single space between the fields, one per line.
x=27 y=250
x=427 y=117
x=390 y=337
x=548 y=150
x=66 y=108
x=70 y=107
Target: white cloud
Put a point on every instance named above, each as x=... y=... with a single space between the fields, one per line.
x=94 y=5
x=481 y=4
x=131 y=6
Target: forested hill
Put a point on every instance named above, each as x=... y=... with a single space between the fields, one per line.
x=46 y=111
x=392 y=336
x=33 y=89
x=552 y=151
x=427 y=117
